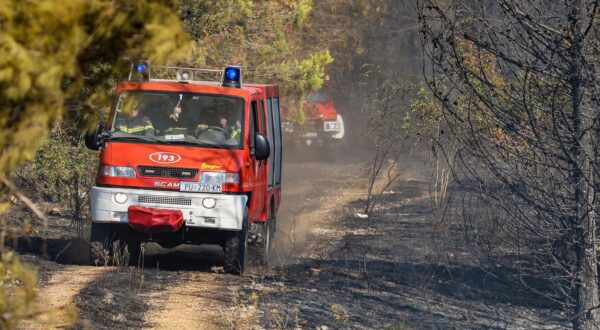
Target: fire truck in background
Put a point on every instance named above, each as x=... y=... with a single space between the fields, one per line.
x=186 y=159
x=322 y=129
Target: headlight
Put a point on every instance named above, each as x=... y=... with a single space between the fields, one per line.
x=219 y=177
x=120 y=171
x=120 y=198
x=209 y=202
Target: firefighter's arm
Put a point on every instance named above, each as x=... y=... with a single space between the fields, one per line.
x=200 y=128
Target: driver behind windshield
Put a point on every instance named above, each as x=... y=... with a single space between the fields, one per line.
x=233 y=130
x=230 y=131
x=133 y=122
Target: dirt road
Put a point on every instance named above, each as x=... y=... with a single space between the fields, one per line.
x=402 y=267
x=184 y=288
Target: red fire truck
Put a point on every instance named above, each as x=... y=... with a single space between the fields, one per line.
x=186 y=159
x=322 y=128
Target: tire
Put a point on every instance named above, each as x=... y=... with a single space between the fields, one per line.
x=100 y=244
x=128 y=242
x=103 y=241
x=236 y=249
x=265 y=247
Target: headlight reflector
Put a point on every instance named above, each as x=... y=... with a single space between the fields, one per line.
x=120 y=198
x=209 y=202
x=118 y=171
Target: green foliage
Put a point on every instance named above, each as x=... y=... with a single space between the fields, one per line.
x=17 y=292
x=425 y=116
x=65 y=169
x=18 y=295
x=47 y=47
x=311 y=72
x=203 y=18
x=300 y=10
x=62 y=159
x=304 y=76
x=55 y=53
x=266 y=37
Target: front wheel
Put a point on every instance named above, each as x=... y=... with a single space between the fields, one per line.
x=109 y=243
x=236 y=249
x=101 y=241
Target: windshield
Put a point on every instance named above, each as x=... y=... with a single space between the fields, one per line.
x=179 y=118
x=318 y=97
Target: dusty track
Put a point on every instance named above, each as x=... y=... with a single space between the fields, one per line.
x=63 y=285
x=397 y=269
x=182 y=288
x=60 y=289
x=188 y=304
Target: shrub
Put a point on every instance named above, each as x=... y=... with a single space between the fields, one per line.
x=66 y=171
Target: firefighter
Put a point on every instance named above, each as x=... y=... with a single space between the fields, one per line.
x=230 y=131
x=134 y=123
x=233 y=131
x=174 y=124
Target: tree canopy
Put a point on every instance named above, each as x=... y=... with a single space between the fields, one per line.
x=47 y=47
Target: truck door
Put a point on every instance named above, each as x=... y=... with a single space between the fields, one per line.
x=259 y=191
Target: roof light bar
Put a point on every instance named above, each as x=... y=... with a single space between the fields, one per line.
x=230 y=76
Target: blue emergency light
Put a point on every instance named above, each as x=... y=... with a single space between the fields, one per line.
x=232 y=76
x=140 y=71
x=141 y=67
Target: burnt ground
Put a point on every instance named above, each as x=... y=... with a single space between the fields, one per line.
x=401 y=268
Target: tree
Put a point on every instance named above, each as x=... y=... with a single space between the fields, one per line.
x=381 y=33
x=47 y=48
x=49 y=52
x=265 y=37
x=517 y=83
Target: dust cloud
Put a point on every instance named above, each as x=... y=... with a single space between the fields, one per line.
x=313 y=190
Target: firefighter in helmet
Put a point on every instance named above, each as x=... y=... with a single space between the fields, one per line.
x=175 y=125
x=133 y=122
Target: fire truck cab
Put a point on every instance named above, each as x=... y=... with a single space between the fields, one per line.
x=321 y=129
x=186 y=159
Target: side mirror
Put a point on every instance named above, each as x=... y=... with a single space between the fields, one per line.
x=93 y=138
x=262 y=150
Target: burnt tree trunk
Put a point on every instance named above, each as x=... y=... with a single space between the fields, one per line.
x=586 y=285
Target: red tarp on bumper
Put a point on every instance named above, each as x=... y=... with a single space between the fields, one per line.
x=148 y=220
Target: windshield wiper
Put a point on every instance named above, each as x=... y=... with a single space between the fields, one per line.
x=137 y=138
x=195 y=143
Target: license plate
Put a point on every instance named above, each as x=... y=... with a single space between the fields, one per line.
x=332 y=126
x=200 y=187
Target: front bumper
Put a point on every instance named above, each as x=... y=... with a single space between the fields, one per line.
x=227 y=214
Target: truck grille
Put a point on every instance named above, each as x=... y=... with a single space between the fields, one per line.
x=168 y=172
x=171 y=200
